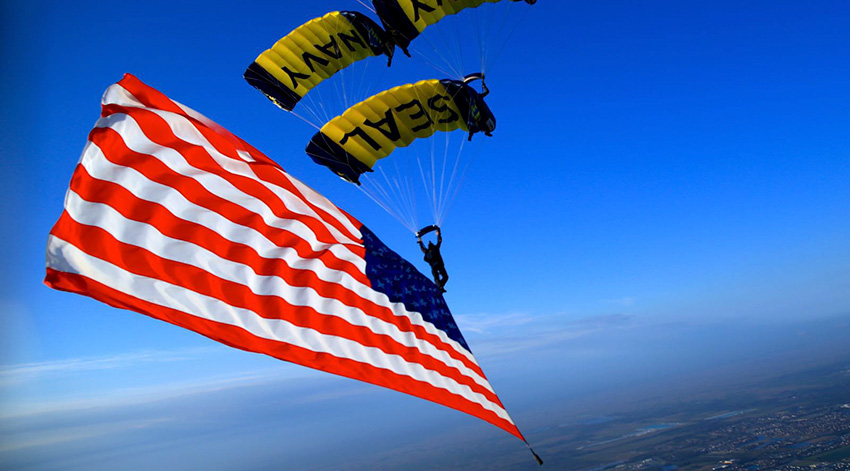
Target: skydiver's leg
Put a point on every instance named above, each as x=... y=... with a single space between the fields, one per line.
x=437 y=275
x=444 y=278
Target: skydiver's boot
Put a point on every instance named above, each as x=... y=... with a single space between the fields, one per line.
x=442 y=280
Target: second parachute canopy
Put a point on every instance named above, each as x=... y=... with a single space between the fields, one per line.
x=351 y=144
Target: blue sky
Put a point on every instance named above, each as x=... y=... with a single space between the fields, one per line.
x=667 y=191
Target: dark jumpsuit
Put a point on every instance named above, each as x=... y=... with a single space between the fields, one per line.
x=433 y=257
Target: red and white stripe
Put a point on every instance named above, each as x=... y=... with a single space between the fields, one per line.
x=170 y=215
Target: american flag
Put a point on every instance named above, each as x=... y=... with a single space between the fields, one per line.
x=170 y=215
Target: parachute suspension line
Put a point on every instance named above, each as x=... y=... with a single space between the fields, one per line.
x=455 y=189
x=311 y=123
x=449 y=72
x=348 y=86
x=425 y=185
x=438 y=201
x=442 y=175
x=406 y=192
x=479 y=30
x=442 y=46
x=366 y=5
x=380 y=202
x=309 y=105
x=342 y=87
x=433 y=173
x=437 y=188
x=428 y=187
x=388 y=193
x=487 y=37
x=449 y=67
x=404 y=189
x=338 y=88
x=364 y=84
x=490 y=34
x=326 y=116
x=459 y=60
x=313 y=103
x=507 y=38
x=353 y=81
x=311 y=109
x=395 y=190
x=384 y=189
x=451 y=190
x=439 y=213
x=438 y=43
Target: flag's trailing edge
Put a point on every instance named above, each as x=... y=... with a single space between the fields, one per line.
x=172 y=216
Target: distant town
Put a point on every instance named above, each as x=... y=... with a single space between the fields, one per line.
x=793 y=423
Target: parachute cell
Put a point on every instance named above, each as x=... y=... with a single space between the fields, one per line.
x=314 y=52
x=404 y=20
x=351 y=144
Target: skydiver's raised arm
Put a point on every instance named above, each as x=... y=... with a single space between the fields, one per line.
x=421 y=245
x=439 y=238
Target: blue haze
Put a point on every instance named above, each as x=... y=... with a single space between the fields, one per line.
x=665 y=203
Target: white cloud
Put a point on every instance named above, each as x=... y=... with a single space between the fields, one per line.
x=626 y=301
x=127 y=397
x=483 y=323
x=51 y=437
x=499 y=334
x=130 y=379
x=13 y=374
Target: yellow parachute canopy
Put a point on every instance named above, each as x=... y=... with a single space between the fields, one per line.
x=406 y=19
x=314 y=52
x=353 y=142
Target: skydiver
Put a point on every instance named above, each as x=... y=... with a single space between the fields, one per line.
x=433 y=257
x=478 y=109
